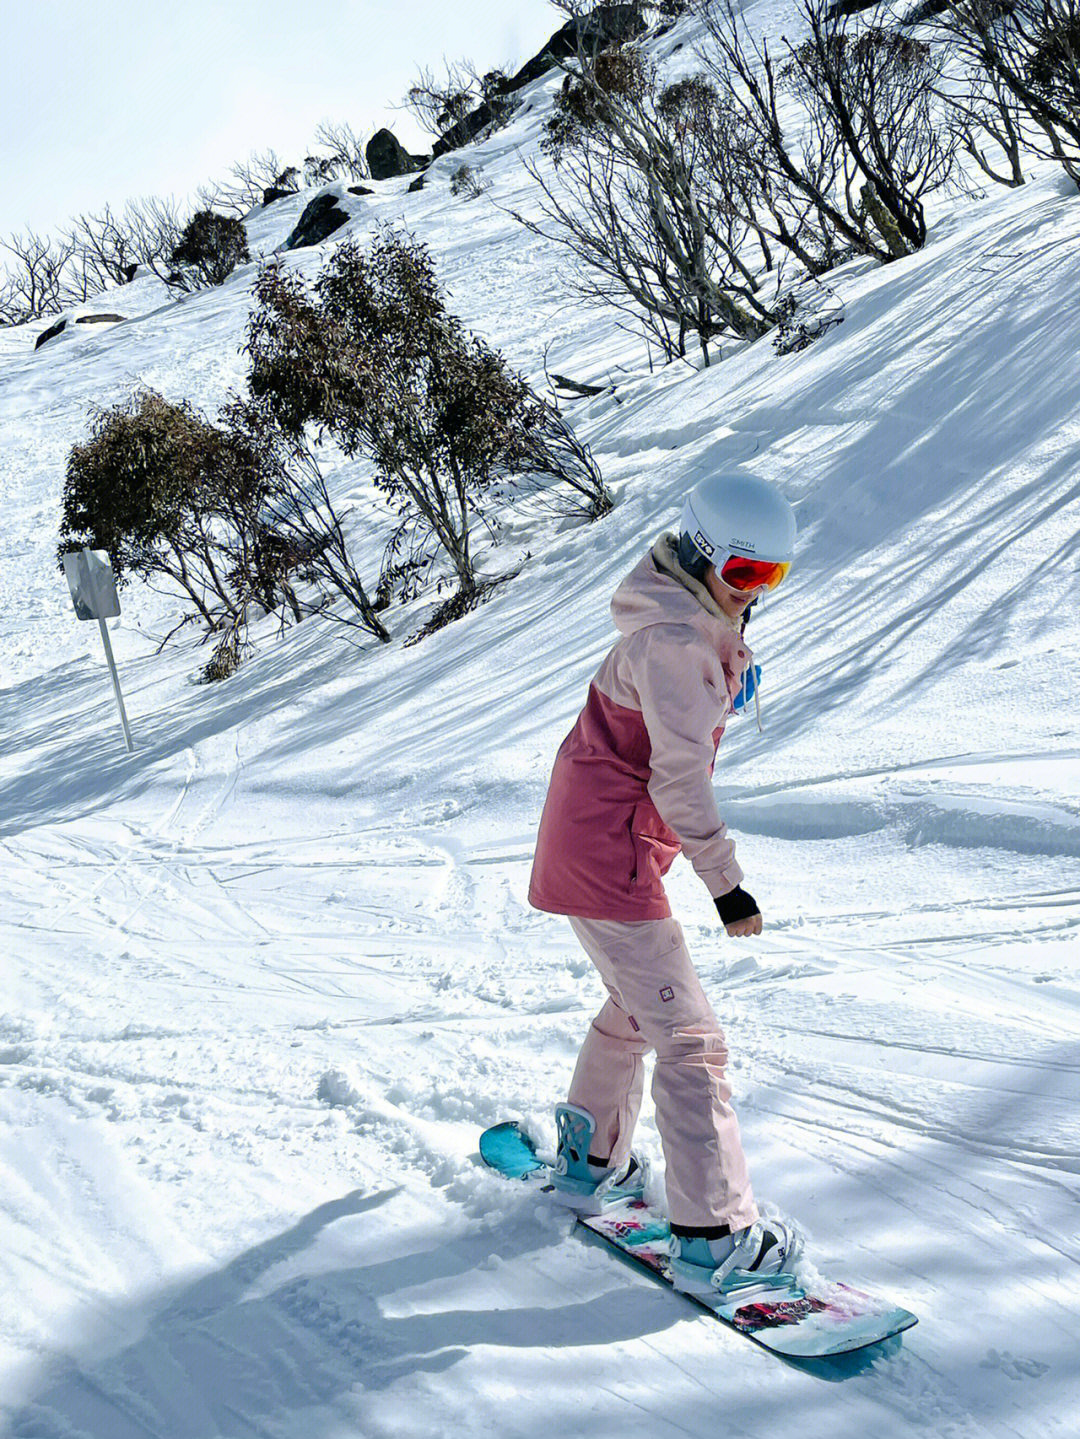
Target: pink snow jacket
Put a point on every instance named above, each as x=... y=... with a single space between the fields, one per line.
x=632 y=783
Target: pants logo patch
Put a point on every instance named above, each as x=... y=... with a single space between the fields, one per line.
x=667 y=993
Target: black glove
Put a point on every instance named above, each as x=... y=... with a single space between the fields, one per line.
x=735 y=905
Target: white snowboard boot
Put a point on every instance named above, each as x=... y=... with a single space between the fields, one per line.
x=760 y=1258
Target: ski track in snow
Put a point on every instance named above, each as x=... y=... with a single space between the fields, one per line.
x=269 y=976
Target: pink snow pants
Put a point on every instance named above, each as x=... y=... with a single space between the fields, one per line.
x=656 y=1002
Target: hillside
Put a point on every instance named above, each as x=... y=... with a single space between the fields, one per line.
x=268 y=976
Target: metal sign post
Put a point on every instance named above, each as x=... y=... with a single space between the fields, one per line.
x=93 y=593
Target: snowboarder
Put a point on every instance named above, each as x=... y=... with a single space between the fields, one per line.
x=631 y=787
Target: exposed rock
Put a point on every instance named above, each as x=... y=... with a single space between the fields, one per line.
x=321 y=218
x=275 y=192
x=387 y=157
x=360 y=190
x=606 y=25
x=470 y=125
x=61 y=325
x=50 y=334
x=561 y=382
x=418 y=183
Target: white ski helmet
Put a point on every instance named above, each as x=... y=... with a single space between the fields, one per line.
x=736 y=513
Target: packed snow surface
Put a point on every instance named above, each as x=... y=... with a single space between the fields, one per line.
x=266 y=978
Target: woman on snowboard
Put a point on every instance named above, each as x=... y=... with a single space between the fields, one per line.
x=632 y=787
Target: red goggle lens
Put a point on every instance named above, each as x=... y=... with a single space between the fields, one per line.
x=747 y=574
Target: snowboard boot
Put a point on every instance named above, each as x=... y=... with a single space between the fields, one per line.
x=581 y=1180
x=754 y=1261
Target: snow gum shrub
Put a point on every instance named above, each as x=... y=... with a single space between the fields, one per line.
x=849 y=173
x=210 y=248
x=1055 y=58
x=297 y=528
x=134 y=489
x=465 y=181
x=1028 y=50
x=374 y=360
x=630 y=198
x=168 y=494
x=873 y=89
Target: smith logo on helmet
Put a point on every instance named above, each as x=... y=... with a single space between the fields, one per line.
x=703 y=544
x=743 y=545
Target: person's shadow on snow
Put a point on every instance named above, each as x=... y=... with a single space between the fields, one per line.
x=234 y=1349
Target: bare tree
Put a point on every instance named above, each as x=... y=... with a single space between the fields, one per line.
x=1031 y=50
x=745 y=176
x=981 y=107
x=154 y=226
x=38 y=274
x=870 y=152
x=876 y=87
x=244 y=185
x=437 y=104
x=10 y=305
x=627 y=199
x=104 y=250
x=344 y=147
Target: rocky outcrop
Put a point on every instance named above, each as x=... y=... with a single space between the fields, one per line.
x=388 y=157
x=275 y=192
x=61 y=325
x=321 y=218
x=606 y=25
x=50 y=334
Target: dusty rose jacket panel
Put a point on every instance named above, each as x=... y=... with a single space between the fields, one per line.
x=632 y=781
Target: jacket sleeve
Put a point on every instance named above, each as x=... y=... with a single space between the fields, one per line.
x=683 y=696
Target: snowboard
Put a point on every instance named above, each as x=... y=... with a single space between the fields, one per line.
x=817 y=1321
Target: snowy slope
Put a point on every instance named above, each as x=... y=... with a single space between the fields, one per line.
x=268 y=976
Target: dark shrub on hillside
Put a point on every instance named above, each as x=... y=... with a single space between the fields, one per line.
x=374 y=359
x=226 y=513
x=231 y=513
x=210 y=248
x=136 y=488
x=465 y=181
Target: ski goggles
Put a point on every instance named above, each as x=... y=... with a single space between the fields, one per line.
x=739 y=572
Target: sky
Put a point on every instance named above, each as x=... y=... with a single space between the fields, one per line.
x=154 y=99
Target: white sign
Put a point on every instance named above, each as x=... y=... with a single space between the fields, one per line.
x=93 y=593
x=92 y=584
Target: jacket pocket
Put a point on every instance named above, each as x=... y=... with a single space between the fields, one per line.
x=655 y=846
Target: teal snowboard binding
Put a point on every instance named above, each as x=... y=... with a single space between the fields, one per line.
x=579 y=1180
